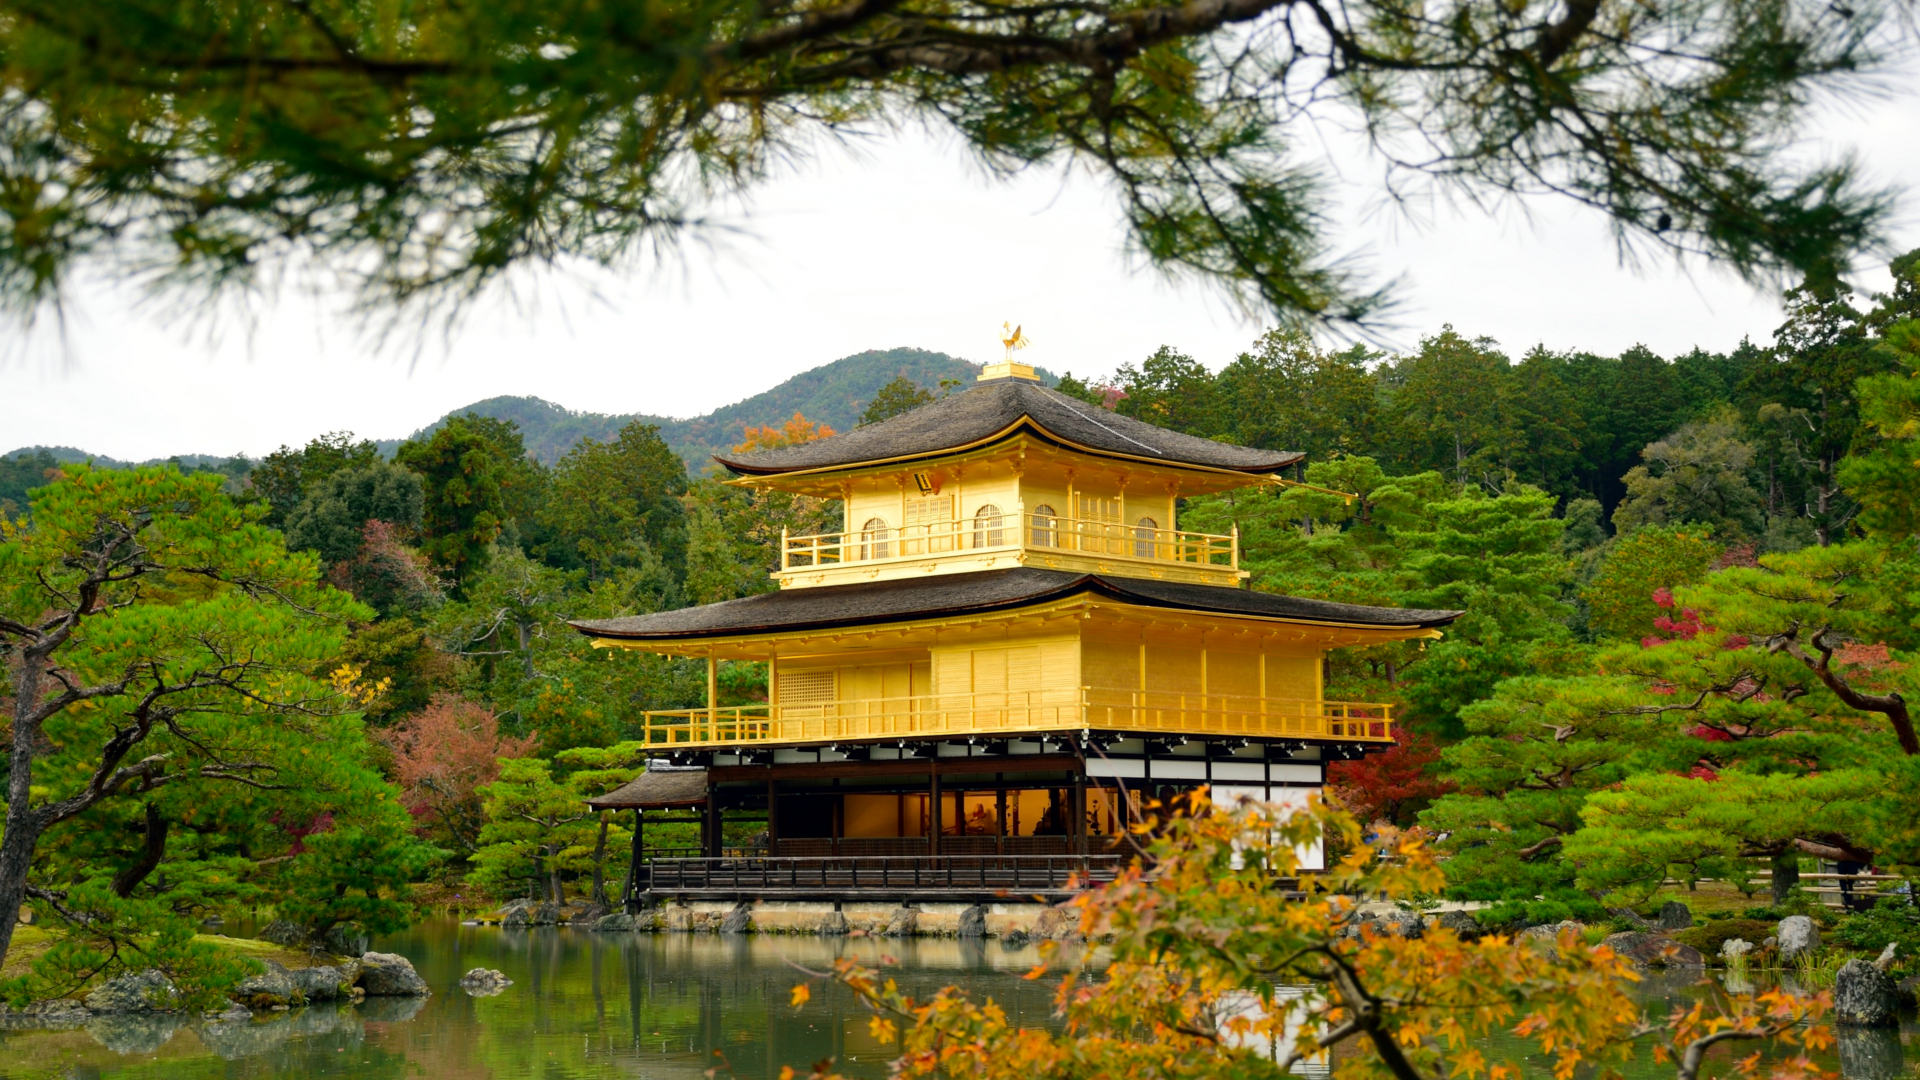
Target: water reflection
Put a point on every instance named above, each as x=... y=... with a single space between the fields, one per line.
x=654 y=1007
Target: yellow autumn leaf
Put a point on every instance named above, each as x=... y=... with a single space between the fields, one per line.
x=801 y=995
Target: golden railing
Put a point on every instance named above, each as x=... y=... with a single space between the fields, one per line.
x=947 y=716
x=1009 y=532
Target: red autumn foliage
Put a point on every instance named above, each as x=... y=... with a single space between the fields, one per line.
x=442 y=755
x=1391 y=784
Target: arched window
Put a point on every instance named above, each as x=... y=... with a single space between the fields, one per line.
x=1143 y=531
x=986 y=527
x=1043 y=526
x=873 y=539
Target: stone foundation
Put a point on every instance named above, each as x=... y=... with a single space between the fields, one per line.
x=861 y=918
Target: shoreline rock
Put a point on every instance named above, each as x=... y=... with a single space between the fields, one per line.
x=391 y=975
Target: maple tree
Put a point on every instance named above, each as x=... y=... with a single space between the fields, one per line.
x=1393 y=784
x=1216 y=973
x=442 y=756
x=796 y=430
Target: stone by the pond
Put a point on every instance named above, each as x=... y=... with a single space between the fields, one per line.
x=390 y=975
x=1057 y=924
x=1869 y=1053
x=134 y=1033
x=1652 y=950
x=1735 y=948
x=1864 y=996
x=233 y=1011
x=484 y=982
x=1549 y=933
x=344 y=940
x=617 y=921
x=547 y=914
x=324 y=983
x=739 y=920
x=1675 y=915
x=1015 y=938
x=267 y=988
x=1797 y=935
x=1907 y=991
x=1463 y=924
x=135 y=992
x=833 y=924
x=1402 y=924
x=51 y=1013
x=589 y=915
x=282 y=932
x=903 y=921
x=973 y=921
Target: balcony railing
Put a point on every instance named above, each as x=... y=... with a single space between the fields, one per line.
x=1011 y=713
x=1010 y=532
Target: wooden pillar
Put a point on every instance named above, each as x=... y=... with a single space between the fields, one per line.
x=713 y=694
x=710 y=825
x=1000 y=831
x=1077 y=809
x=933 y=808
x=773 y=815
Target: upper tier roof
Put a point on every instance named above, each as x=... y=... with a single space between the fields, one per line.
x=1004 y=406
x=826 y=606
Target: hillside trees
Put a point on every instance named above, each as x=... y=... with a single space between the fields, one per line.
x=163 y=656
x=899 y=396
x=616 y=504
x=476 y=475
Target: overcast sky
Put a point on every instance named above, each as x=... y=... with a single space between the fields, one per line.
x=902 y=244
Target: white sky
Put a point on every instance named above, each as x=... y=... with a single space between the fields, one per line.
x=901 y=245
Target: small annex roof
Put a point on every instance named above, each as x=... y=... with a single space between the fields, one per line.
x=656 y=789
x=1004 y=407
x=827 y=606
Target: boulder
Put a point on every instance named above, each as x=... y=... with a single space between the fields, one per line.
x=1870 y=1053
x=547 y=914
x=1735 y=949
x=903 y=921
x=233 y=1011
x=325 y=983
x=1402 y=924
x=833 y=924
x=134 y=1033
x=739 y=920
x=589 y=915
x=973 y=921
x=1675 y=915
x=1652 y=950
x=516 y=919
x=1550 y=932
x=345 y=940
x=1630 y=917
x=135 y=992
x=1015 y=938
x=1798 y=936
x=618 y=921
x=1463 y=924
x=268 y=988
x=1907 y=991
x=390 y=975
x=484 y=982
x=1864 y=996
x=49 y=1013
x=679 y=919
x=1057 y=924
x=282 y=932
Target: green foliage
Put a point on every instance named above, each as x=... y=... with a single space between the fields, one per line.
x=900 y=395
x=332 y=519
x=1894 y=920
x=20 y=473
x=286 y=477
x=1287 y=394
x=1696 y=476
x=474 y=471
x=1883 y=476
x=616 y=504
x=1710 y=937
x=1621 y=597
x=358 y=873
x=540 y=828
x=104 y=935
x=1172 y=390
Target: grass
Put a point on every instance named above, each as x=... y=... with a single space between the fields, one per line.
x=31 y=942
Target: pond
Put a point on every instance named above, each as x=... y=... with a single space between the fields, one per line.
x=650 y=1006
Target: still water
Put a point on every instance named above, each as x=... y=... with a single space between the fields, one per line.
x=639 y=1007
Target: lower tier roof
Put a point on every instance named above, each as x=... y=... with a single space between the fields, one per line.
x=867 y=603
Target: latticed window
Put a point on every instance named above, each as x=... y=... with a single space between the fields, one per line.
x=987 y=522
x=1099 y=524
x=873 y=539
x=803 y=688
x=929 y=525
x=1143 y=537
x=1043 y=526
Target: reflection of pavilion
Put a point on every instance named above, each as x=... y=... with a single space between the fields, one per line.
x=974 y=683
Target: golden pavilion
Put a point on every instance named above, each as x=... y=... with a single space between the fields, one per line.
x=1006 y=650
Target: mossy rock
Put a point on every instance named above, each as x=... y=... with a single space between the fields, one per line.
x=1710 y=937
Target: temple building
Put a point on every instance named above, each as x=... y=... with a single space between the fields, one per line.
x=1006 y=650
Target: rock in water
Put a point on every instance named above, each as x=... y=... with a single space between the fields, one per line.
x=1675 y=915
x=282 y=932
x=547 y=914
x=1402 y=924
x=389 y=975
x=51 y=1013
x=833 y=924
x=268 y=988
x=1464 y=925
x=344 y=940
x=1798 y=935
x=1652 y=950
x=739 y=920
x=1863 y=996
x=1907 y=991
x=484 y=982
x=1057 y=924
x=517 y=919
x=1015 y=938
x=1735 y=948
x=903 y=922
x=973 y=922
x=617 y=921
x=1869 y=1053
x=324 y=983
x=136 y=992
x=134 y=1033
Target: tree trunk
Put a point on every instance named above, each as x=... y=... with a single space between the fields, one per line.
x=24 y=823
x=1786 y=874
x=154 y=850
x=600 y=862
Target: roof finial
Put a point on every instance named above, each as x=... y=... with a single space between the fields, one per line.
x=1012 y=337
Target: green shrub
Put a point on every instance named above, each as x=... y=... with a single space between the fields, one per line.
x=1892 y=920
x=1717 y=932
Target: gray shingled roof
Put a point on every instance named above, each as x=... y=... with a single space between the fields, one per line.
x=996 y=405
x=656 y=789
x=824 y=606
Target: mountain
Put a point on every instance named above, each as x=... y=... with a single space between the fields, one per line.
x=835 y=394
